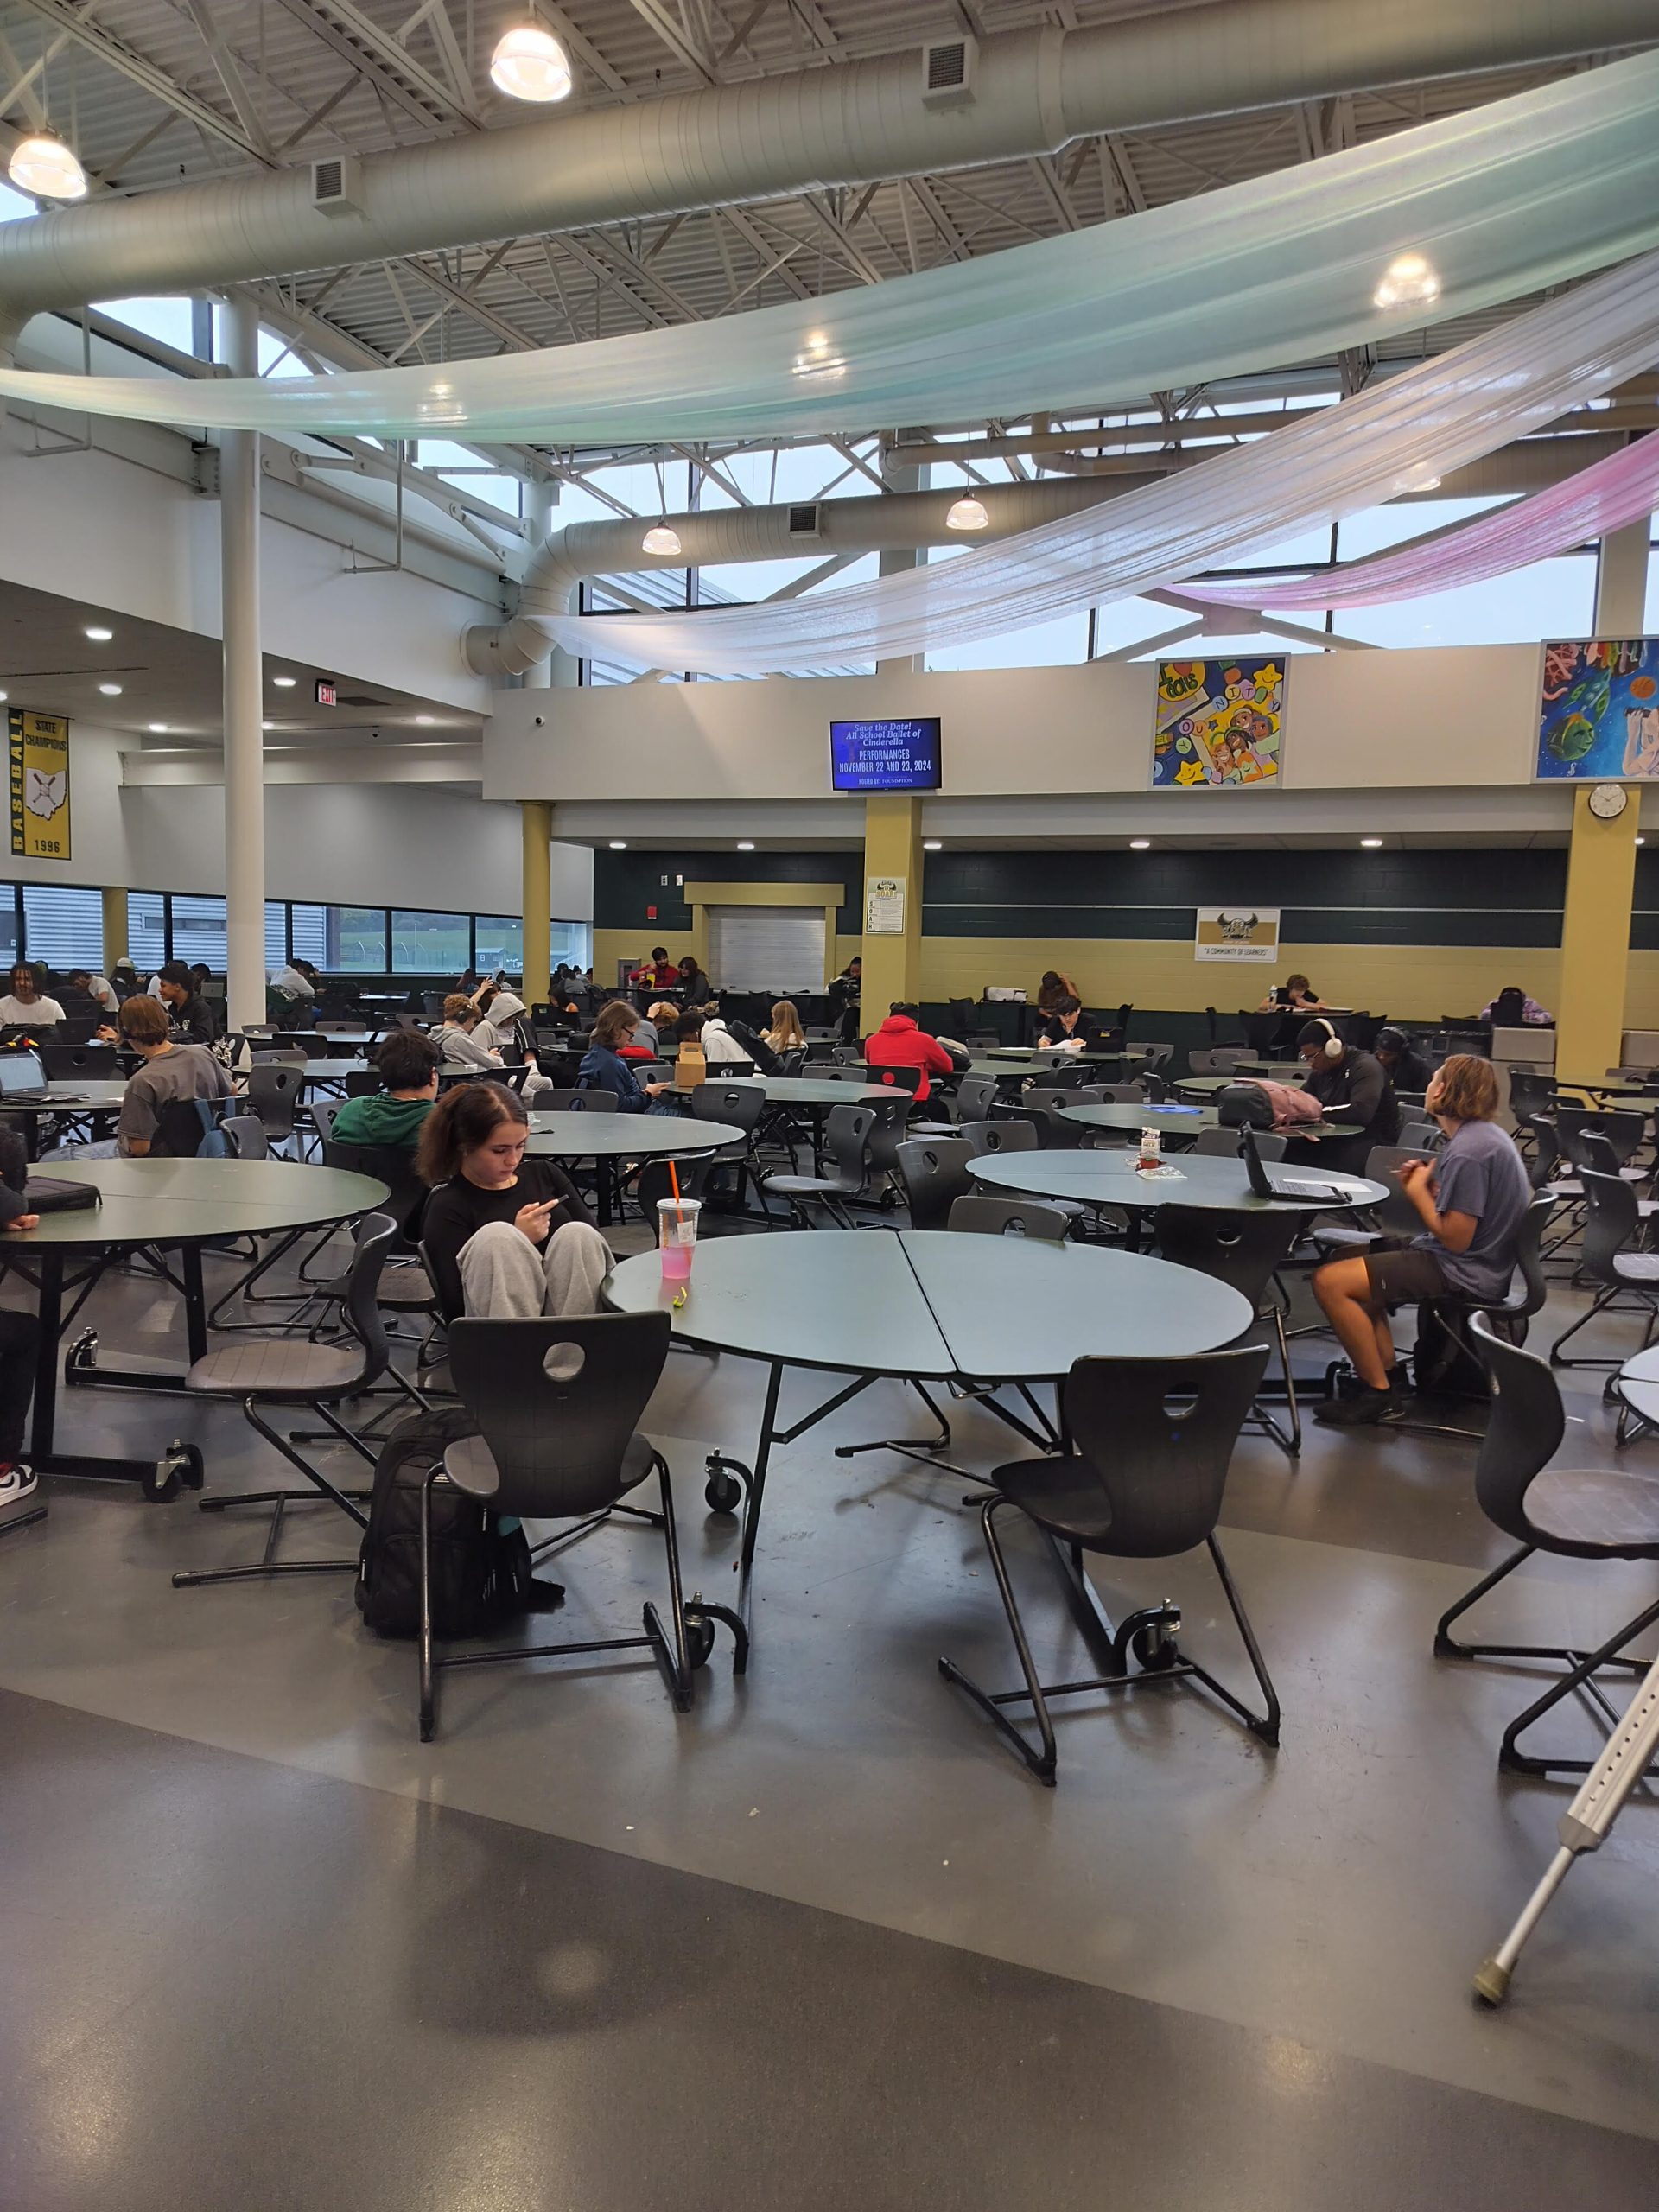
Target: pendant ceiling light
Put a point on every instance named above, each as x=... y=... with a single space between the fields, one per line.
x=660 y=539
x=966 y=513
x=44 y=167
x=530 y=64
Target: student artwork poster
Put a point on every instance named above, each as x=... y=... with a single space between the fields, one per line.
x=1598 y=716
x=1220 y=725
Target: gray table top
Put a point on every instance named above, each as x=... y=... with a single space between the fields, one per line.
x=1110 y=1178
x=77 y=1094
x=189 y=1201
x=806 y=1089
x=930 y=1304
x=1046 y=1053
x=625 y=1136
x=1184 y=1121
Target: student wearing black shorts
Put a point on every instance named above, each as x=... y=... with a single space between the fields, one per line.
x=1472 y=1199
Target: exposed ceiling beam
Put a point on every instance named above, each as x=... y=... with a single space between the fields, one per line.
x=675 y=39
x=128 y=63
x=230 y=76
x=390 y=68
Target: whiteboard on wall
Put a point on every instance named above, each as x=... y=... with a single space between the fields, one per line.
x=779 y=949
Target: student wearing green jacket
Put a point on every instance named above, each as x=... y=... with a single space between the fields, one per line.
x=408 y=1069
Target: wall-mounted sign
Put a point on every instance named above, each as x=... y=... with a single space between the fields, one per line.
x=327 y=691
x=1599 y=714
x=1237 y=933
x=1220 y=725
x=884 y=906
x=37 y=756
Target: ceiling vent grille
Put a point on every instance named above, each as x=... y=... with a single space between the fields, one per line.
x=948 y=72
x=803 y=522
x=335 y=185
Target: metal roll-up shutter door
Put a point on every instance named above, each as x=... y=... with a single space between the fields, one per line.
x=778 y=949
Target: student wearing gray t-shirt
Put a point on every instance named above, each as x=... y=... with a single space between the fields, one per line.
x=1472 y=1200
x=170 y=1073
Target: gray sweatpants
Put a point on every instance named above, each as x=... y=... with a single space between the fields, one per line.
x=506 y=1278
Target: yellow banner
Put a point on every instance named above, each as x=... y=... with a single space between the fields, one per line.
x=37 y=751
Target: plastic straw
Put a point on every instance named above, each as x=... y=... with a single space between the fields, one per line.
x=674 y=1184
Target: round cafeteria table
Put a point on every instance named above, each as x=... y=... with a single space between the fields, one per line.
x=184 y=1204
x=1111 y=1179
x=921 y=1305
x=1183 y=1122
x=605 y=1138
x=1637 y=1386
x=73 y=1100
x=805 y=1090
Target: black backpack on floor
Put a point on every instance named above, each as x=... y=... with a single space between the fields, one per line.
x=480 y=1577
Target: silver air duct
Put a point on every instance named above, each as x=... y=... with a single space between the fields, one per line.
x=1019 y=94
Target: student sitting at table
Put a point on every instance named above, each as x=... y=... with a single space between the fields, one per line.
x=1407 y=1068
x=190 y=1018
x=454 y=1039
x=1513 y=1009
x=1062 y=1024
x=901 y=1042
x=785 y=1033
x=845 y=991
x=171 y=1072
x=1350 y=1086
x=1295 y=995
x=98 y=988
x=659 y=970
x=720 y=1048
x=1472 y=1199
x=24 y=1006
x=507 y=1238
x=603 y=1067
x=409 y=1068
x=696 y=989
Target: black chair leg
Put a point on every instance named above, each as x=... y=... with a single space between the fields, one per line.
x=676 y=1663
x=1605 y=1304
x=1513 y=1760
x=268 y=1564
x=428 y=1718
x=1446 y=1647
x=1041 y=1764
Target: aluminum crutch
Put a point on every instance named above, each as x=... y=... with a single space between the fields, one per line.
x=1629 y=1750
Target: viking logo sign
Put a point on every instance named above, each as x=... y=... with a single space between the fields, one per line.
x=1237 y=933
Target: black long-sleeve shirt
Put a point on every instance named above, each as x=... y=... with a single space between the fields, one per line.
x=457 y=1209
x=1356 y=1088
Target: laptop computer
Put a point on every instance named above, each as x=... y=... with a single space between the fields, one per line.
x=23 y=1083
x=1295 y=1192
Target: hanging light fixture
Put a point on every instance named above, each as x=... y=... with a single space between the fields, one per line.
x=661 y=537
x=966 y=513
x=1410 y=281
x=530 y=64
x=46 y=168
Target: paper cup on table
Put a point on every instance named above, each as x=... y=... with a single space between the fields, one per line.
x=676 y=1236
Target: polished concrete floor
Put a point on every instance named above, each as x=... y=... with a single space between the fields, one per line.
x=820 y=1941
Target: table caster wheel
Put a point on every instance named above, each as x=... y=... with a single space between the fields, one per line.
x=1152 y=1647
x=166 y=1479
x=723 y=1491
x=192 y=1472
x=699 y=1639
x=82 y=1356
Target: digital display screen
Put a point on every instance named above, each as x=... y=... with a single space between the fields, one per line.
x=885 y=756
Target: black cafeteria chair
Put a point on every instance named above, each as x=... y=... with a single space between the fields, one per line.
x=1244 y=1250
x=1627 y=1280
x=935 y=1174
x=273 y=1372
x=988 y=1217
x=1142 y=1476
x=847 y=1132
x=555 y=1402
x=1600 y=1513
x=559 y=1100
x=1224 y=1144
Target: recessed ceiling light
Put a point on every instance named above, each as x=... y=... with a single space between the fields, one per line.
x=426 y=720
x=1371 y=844
x=1140 y=844
x=745 y=844
x=1640 y=841
x=932 y=844
x=99 y=635
x=284 y=682
x=618 y=844
x=111 y=690
x=156 y=730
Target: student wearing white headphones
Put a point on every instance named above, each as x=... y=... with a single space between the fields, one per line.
x=1351 y=1086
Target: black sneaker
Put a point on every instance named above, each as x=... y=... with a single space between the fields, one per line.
x=1364 y=1410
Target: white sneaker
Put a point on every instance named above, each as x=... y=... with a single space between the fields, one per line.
x=19 y=1489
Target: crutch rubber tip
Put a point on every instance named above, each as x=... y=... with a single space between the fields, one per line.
x=1492 y=1983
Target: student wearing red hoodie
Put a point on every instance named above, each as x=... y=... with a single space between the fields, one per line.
x=901 y=1042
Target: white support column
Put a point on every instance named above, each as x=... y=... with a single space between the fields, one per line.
x=896 y=560
x=245 y=745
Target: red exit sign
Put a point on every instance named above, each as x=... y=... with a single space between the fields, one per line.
x=328 y=692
